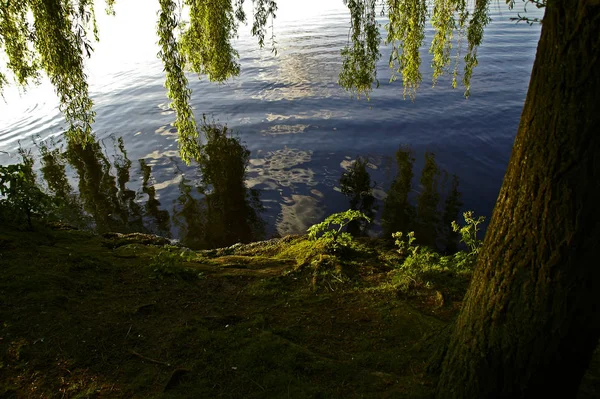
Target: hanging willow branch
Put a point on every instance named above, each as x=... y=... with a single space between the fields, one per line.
x=206 y=44
x=57 y=38
x=359 y=67
x=406 y=33
x=54 y=41
x=176 y=82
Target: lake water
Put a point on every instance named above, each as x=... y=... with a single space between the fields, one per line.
x=301 y=127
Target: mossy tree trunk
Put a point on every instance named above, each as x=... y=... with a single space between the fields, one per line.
x=531 y=318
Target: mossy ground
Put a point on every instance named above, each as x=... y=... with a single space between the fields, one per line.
x=126 y=316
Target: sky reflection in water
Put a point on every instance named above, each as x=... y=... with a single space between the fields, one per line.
x=288 y=110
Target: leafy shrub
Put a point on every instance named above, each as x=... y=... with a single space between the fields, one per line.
x=20 y=197
x=329 y=240
x=418 y=262
x=405 y=245
x=422 y=267
x=468 y=232
x=330 y=234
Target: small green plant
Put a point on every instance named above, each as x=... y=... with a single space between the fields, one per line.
x=423 y=266
x=330 y=232
x=20 y=197
x=405 y=243
x=468 y=232
x=418 y=260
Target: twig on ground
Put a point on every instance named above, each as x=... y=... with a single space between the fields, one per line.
x=148 y=359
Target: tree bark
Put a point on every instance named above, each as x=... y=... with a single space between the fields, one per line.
x=531 y=318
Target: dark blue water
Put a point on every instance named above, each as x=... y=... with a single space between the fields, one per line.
x=301 y=127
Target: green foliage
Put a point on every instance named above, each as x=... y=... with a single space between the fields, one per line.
x=479 y=20
x=334 y=239
x=54 y=36
x=206 y=41
x=359 y=59
x=176 y=81
x=20 y=197
x=468 y=232
x=263 y=11
x=424 y=268
x=406 y=32
x=405 y=243
x=444 y=22
x=205 y=46
x=355 y=184
x=417 y=268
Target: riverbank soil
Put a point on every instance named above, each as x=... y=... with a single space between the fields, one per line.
x=83 y=315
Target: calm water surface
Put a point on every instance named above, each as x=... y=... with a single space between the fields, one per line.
x=301 y=127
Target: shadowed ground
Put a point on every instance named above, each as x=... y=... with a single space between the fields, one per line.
x=133 y=316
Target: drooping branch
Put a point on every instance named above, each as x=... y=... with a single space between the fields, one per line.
x=63 y=31
x=176 y=81
x=206 y=44
x=263 y=11
x=474 y=38
x=359 y=58
x=450 y=19
x=59 y=46
x=406 y=32
x=15 y=34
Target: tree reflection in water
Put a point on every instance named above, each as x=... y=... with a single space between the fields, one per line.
x=221 y=211
x=104 y=197
x=158 y=220
x=218 y=209
x=218 y=212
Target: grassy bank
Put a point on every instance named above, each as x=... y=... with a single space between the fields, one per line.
x=83 y=315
